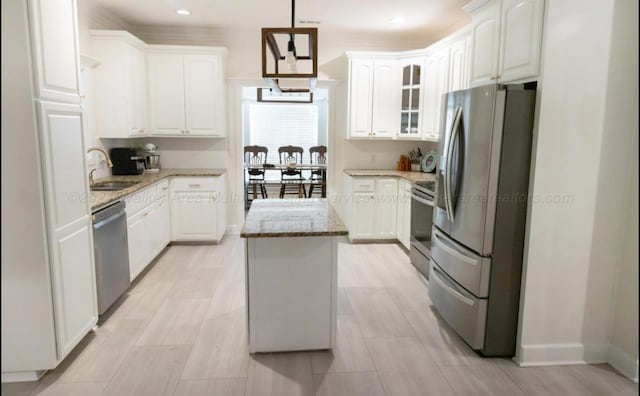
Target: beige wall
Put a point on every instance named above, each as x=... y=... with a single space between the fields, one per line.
x=587 y=123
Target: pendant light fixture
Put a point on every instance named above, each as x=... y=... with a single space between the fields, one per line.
x=298 y=62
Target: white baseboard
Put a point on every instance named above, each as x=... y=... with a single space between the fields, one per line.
x=624 y=363
x=22 y=376
x=577 y=353
x=561 y=354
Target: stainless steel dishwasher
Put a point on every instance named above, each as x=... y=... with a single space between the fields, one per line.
x=111 y=253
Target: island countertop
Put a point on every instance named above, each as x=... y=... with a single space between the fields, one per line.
x=274 y=218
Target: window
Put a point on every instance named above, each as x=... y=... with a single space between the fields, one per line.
x=276 y=125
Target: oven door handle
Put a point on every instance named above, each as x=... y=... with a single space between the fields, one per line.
x=422 y=200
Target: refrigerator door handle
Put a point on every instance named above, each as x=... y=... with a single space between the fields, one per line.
x=453 y=135
x=452 y=250
x=450 y=289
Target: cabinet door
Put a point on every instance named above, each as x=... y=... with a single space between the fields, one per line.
x=360 y=97
x=362 y=214
x=64 y=165
x=54 y=32
x=457 y=67
x=137 y=97
x=138 y=241
x=74 y=287
x=166 y=94
x=521 y=38
x=202 y=95
x=386 y=206
x=412 y=97
x=158 y=227
x=485 y=33
x=193 y=216
x=437 y=84
x=386 y=106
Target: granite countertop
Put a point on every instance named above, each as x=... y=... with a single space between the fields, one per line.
x=410 y=176
x=269 y=218
x=98 y=199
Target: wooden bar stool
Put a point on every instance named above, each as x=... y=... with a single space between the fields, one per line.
x=291 y=180
x=318 y=156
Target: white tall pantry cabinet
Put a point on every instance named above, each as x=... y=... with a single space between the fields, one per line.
x=48 y=280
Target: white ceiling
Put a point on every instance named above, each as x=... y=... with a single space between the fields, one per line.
x=426 y=18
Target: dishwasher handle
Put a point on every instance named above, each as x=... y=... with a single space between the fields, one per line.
x=107 y=214
x=108 y=219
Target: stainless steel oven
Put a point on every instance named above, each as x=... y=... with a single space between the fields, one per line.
x=422 y=194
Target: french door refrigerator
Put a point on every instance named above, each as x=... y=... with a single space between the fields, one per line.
x=480 y=213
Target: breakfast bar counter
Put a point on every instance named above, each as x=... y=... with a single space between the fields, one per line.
x=291 y=266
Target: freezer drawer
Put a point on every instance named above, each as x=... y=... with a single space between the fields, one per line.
x=465 y=313
x=467 y=268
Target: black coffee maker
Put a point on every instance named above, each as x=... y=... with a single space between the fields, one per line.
x=126 y=161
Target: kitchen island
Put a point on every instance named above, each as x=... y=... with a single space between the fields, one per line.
x=291 y=268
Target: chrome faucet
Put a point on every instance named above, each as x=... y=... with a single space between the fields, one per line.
x=109 y=163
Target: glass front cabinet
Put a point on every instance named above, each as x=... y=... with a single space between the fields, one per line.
x=411 y=97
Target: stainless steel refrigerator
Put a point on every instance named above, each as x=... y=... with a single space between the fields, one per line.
x=480 y=213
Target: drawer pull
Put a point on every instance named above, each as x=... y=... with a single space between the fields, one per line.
x=165 y=188
x=194 y=185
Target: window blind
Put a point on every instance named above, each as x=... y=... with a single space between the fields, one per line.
x=276 y=125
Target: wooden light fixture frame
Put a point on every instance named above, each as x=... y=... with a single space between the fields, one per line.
x=268 y=40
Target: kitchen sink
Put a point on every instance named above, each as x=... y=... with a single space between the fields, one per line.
x=112 y=186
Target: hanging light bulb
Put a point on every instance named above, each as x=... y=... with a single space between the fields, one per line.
x=290 y=58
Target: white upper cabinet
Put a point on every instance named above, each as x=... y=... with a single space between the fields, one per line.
x=384 y=115
x=436 y=85
x=360 y=97
x=120 y=84
x=202 y=95
x=54 y=32
x=373 y=98
x=521 y=39
x=411 y=97
x=186 y=93
x=506 y=40
x=166 y=94
x=458 y=77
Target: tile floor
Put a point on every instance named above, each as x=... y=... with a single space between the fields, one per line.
x=181 y=330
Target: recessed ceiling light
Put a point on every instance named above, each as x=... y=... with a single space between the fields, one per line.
x=184 y=12
x=396 y=20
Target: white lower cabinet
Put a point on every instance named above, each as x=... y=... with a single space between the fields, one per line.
x=372 y=212
x=197 y=210
x=404 y=213
x=147 y=225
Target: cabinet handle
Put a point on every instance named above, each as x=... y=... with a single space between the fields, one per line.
x=165 y=188
x=146 y=214
x=187 y=131
x=374 y=134
x=194 y=185
x=498 y=76
x=142 y=131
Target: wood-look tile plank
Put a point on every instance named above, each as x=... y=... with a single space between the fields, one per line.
x=442 y=343
x=377 y=314
x=221 y=349
x=353 y=271
x=176 y=323
x=344 y=307
x=348 y=384
x=487 y=380
x=102 y=357
x=51 y=387
x=149 y=371
x=406 y=368
x=280 y=374
x=197 y=283
x=350 y=354
x=211 y=387
x=410 y=294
